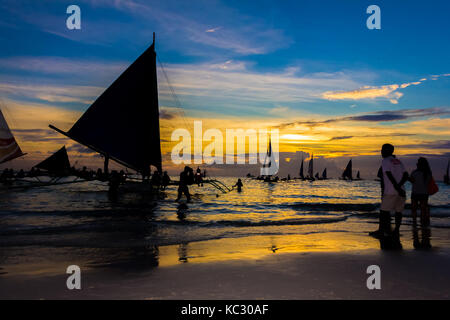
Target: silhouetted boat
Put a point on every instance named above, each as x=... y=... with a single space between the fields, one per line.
x=358 y=177
x=48 y=172
x=324 y=174
x=269 y=161
x=347 y=174
x=301 y=175
x=57 y=164
x=311 y=169
x=123 y=123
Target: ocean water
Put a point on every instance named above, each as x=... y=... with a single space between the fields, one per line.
x=78 y=222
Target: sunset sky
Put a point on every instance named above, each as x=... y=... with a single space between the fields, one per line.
x=309 y=68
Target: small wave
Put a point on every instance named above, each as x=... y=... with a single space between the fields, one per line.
x=367 y=207
x=244 y=223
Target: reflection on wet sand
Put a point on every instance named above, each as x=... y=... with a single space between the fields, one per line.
x=424 y=242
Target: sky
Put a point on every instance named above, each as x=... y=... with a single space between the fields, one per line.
x=311 y=69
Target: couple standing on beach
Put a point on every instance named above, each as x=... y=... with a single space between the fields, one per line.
x=393 y=176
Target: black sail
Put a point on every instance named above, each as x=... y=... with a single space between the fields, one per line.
x=347 y=174
x=123 y=123
x=324 y=173
x=56 y=163
x=301 y=170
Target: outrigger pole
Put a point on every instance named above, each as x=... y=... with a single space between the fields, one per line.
x=107 y=157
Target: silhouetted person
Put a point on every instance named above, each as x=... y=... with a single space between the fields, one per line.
x=198 y=176
x=165 y=180
x=122 y=176
x=420 y=179
x=114 y=182
x=4 y=175
x=184 y=182
x=21 y=174
x=239 y=185
x=190 y=176
x=156 y=179
x=146 y=173
x=99 y=175
x=393 y=197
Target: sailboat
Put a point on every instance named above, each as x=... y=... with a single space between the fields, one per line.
x=311 y=169
x=347 y=174
x=269 y=161
x=446 y=176
x=358 y=176
x=301 y=175
x=57 y=164
x=9 y=149
x=123 y=123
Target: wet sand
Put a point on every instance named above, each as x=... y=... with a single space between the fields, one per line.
x=315 y=274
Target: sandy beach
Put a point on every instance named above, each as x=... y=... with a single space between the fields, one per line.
x=253 y=274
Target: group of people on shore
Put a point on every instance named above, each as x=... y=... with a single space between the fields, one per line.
x=393 y=177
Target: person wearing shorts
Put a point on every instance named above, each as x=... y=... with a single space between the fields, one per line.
x=393 y=176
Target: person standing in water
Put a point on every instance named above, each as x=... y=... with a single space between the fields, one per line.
x=420 y=179
x=239 y=185
x=165 y=180
x=184 y=182
x=394 y=176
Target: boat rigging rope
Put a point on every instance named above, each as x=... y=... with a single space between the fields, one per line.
x=175 y=97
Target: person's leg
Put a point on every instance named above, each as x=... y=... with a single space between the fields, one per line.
x=384 y=224
x=179 y=194
x=424 y=213
x=386 y=221
x=186 y=192
x=398 y=221
x=399 y=207
x=414 y=206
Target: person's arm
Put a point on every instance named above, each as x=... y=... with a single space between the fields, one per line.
x=380 y=175
x=404 y=179
x=396 y=185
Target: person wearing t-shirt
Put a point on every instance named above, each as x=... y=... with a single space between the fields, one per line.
x=393 y=198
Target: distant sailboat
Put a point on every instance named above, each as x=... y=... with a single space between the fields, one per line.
x=301 y=175
x=9 y=149
x=317 y=176
x=358 y=177
x=123 y=123
x=446 y=176
x=324 y=174
x=269 y=161
x=57 y=164
x=347 y=174
x=311 y=168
